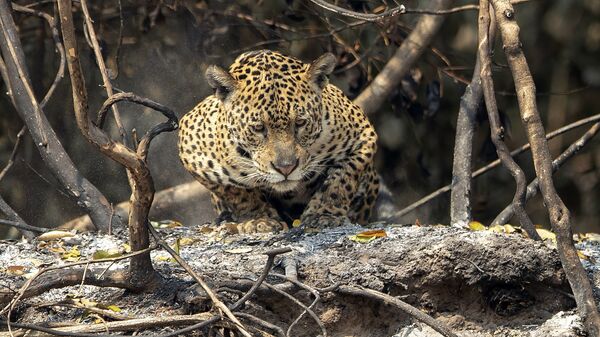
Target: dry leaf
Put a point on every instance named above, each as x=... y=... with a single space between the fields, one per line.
x=368 y=236
x=296 y=223
x=54 y=235
x=16 y=270
x=476 y=226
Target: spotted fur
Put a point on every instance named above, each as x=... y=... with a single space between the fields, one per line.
x=277 y=142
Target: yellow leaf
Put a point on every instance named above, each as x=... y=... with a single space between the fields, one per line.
x=104 y=254
x=476 y=226
x=296 y=223
x=496 y=229
x=368 y=236
x=546 y=234
x=113 y=308
x=71 y=255
x=126 y=247
x=185 y=241
x=508 y=229
x=581 y=255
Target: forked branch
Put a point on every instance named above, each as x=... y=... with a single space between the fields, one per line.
x=560 y=217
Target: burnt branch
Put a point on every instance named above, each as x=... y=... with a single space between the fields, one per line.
x=496 y=128
x=79 y=189
x=140 y=178
x=460 y=200
x=361 y=16
x=371 y=98
x=103 y=71
x=492 y=165
x=60 y=73
x=403 y=306
x=213 y=297
x=560 y=217
x=533 y=187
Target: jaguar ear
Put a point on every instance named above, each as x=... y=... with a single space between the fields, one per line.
x=221 y=81
x=320 y=68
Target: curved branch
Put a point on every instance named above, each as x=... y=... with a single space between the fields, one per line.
x=373 y=96
x=496 y=128
x=361 y=16
x=492 y=165
x=403 y=306
x=560 y=217
x=79 y=189
x=533 y=187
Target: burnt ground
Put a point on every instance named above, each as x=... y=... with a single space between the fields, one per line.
x=479 y=283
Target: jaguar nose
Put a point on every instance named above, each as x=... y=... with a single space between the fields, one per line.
x=285 y=167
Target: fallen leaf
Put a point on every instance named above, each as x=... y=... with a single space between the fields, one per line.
x=54 y=235
x=296 y=223
x=476 y=226
x=581 y=255
x=105 y=254
x=185 y=241
x=71 y=255
x=16 y=270
x=509 y=229
x=368 y=236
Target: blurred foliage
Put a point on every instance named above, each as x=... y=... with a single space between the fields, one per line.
x=167 y=45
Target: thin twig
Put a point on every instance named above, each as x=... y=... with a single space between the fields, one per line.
x=559 y=214
x=23 y=226
x=403 y=306
x=262 y=322
x=268 y=265
x=486 y=28
x=103 y=71
x=13 y=154
x=313 y=291
x=387 y=80
x=361 y=16
x=494 y=164
x=533 y=187
x=214 y=298
x=60 y=73
x=300 y=304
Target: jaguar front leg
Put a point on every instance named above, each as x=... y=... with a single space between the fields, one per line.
x=247 y=208
x=347 y=193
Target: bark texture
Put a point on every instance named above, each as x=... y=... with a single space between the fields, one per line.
x=79 y=189
x=560 y=217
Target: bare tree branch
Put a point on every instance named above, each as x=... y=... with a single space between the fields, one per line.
x=403 y=306
x=460 y=200
x=53 y=154
x=361 y=16
x=560 y=217
x=142 y=185
x=371 y=98
x=533 y=187
x=442 y=190
x=496 y=128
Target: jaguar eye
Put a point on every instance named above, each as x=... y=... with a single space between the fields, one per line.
x=300 y=122
x=258 y=128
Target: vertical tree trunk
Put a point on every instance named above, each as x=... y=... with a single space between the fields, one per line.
x=79 y=189
x=460 y=199
x=560 y=217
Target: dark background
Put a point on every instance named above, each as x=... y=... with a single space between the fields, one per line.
x=167 y=46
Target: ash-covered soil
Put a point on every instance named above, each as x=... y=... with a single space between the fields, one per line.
x=479 y=283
